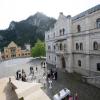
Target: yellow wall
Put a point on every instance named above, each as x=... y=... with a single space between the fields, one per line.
x=13 y=51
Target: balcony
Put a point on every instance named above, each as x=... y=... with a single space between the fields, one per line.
x=61 y=52
x=61 y=37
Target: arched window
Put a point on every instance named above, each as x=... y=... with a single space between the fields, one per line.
x=81 y=46
x=60 y=31
x=98 y=23
x=77 y=46
x=49 y=47
x=79 y=63
x=78 y=28
x=95 y=45
x=63 y=31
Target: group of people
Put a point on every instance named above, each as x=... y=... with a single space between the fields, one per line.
x=52 y=74
x=21 y=75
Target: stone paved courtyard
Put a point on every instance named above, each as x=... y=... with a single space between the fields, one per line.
x=74 y=83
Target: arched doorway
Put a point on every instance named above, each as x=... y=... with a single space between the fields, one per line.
x=63 y=62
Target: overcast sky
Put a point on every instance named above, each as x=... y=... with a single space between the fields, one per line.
x=21 y=9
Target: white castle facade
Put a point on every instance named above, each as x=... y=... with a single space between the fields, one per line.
x=74 y=43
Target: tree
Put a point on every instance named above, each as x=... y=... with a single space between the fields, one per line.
x=39 y=49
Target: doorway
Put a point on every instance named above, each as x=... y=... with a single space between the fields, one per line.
x=63 y=62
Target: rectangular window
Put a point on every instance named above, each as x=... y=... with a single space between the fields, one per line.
x=98 y=66
x=48 y=36
x=79 y=63
x=55 y=58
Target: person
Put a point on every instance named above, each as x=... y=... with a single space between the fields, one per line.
x=76 y=96
x=70 y=97
x=48 y=75
x=44 y=65
x=9 y=80
x=51 y=73
x=17 y=75
x=44 y=80
x=55 y=74
x=23 y=71
x=23 y=75
x=20 y=75
x=31 y=70
x=36 y=68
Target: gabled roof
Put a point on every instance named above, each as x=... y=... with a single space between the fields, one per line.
x=12 y=44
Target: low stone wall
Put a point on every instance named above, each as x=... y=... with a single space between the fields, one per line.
x=92 y=80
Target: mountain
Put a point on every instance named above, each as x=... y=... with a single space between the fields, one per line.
x=26 y=31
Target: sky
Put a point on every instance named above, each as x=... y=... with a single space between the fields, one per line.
x=17 y=10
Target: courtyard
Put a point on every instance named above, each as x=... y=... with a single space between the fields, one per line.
x=74 y=83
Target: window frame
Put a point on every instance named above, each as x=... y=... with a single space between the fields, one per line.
x=98 y=23
x=95 y=45
x=78 y=28
x=79 y=63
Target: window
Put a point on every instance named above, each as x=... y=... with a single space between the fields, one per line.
x=49 y=57
x=79 y=63
x=48 y=36
x=60 y=31
x=64 y=46
x=54 y=47
x=98 y=66
x=81 y=46
x=55 y=58
x=60 y=46
x=78 y=28
x=63 y=31
x=98 y=23
x=77 y=46
x=49 y=47
x=95 y=45
x=54 y=34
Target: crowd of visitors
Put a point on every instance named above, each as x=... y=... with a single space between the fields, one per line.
x=21 y=75
x=48 y=76
x=52 y=74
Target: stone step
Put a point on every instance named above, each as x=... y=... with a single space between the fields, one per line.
x=37 y=95
x=25 y=88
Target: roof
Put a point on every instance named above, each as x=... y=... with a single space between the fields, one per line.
x=89 y=11
x=12 y=44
